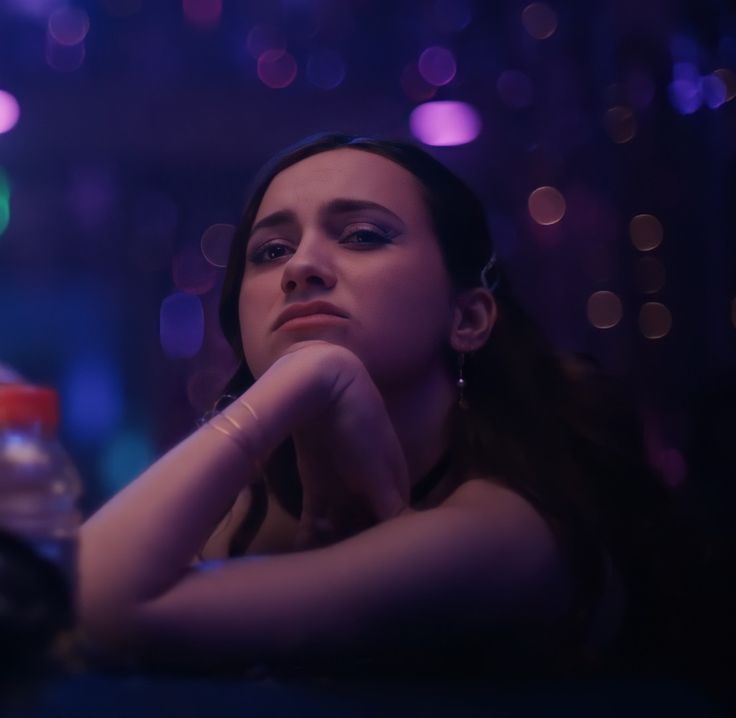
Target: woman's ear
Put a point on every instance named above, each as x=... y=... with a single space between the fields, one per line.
x=473 y=318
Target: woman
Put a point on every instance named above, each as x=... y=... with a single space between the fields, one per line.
x=442 y=488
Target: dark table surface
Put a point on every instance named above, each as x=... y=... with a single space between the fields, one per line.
x=113 y=696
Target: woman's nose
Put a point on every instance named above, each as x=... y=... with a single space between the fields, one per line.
x=310 y=265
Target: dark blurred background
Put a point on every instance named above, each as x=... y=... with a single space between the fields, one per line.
x=601 y=135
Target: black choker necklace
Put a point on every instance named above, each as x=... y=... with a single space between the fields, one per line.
x=428 y=482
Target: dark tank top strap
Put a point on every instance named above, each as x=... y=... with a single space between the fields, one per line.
x=422 y=488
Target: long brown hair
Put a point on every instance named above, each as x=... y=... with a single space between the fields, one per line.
x=554 y=430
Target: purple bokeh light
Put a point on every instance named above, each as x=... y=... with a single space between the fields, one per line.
x=181 y=325
x=64 y=58
x=202 y=13
x=326 y=69
x=276 y=69
x=191 y=272
x=68 y=26
x=684 y=90
x=9 y=112
x=713 y=91
x=215 y=244
x=445 y=124
x=437 y=65
x=515 y=89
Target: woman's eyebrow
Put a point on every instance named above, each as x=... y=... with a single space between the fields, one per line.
x=343 y=205
x=275 y=219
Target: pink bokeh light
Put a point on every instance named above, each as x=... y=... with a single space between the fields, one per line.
x=445 y=123
x=276 y=69
x=9 y=112
x=437 y=66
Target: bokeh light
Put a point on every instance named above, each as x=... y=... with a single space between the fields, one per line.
x=64 y=58
x=445 y=124
x=437 y=66
x=604 y=310
x=539 y=20
x=4 y=201
x=415 y=87
x=728 y=79
x=191 y=272
x=124 y=457
x=262 y=38
x=92 y=395
x=655 y=320
x=546 y=205
x=9 y=112
x=650 y=274
x=276 y=69
x=713 y=90
x=215 y=243
x=181 y=325
x=326 y=69
x=515 y=89
x=68 y=26
x=671 y=466
x=646 y=232
x=620 y=124
x=202 y=13
x=685 y=89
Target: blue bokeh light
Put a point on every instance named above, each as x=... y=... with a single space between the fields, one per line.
x=92 y=397
x=181 y=325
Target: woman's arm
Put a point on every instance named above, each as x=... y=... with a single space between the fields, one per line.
x=142 y=542
x=483 y=558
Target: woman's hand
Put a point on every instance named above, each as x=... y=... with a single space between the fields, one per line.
x=351 y=464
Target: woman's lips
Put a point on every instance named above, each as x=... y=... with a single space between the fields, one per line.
x=308 y=309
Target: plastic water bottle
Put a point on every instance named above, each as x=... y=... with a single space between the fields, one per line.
x=39 y=521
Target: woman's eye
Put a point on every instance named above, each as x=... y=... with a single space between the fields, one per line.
x=364 y=236
x=269 y=253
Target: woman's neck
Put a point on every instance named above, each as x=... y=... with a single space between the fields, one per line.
x=421 y=412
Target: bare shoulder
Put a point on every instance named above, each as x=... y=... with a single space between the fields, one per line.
x=487 y=494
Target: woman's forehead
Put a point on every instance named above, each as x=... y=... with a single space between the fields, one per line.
x=345 y=173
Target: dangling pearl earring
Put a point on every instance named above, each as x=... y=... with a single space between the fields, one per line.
x=460 y=383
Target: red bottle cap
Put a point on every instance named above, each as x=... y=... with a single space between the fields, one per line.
x=26 y=405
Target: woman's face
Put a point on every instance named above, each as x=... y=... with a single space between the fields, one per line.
x=352 y=229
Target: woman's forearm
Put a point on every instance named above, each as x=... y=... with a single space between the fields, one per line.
x=142 y=542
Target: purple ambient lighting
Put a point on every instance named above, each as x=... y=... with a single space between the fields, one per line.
x=415 y=87
x=262 y=38
x=445 y=124
x=202 y=13
x=276 y=69
x=437 y=66
x=713 y=91
x=191 y=271
x=326 y=69
x=515 y=89
x=64 y=58
x=181 y=325
x=68 y=26
x=215 y=244
x=9 y=112
x=452 y=15
x=94 y=398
